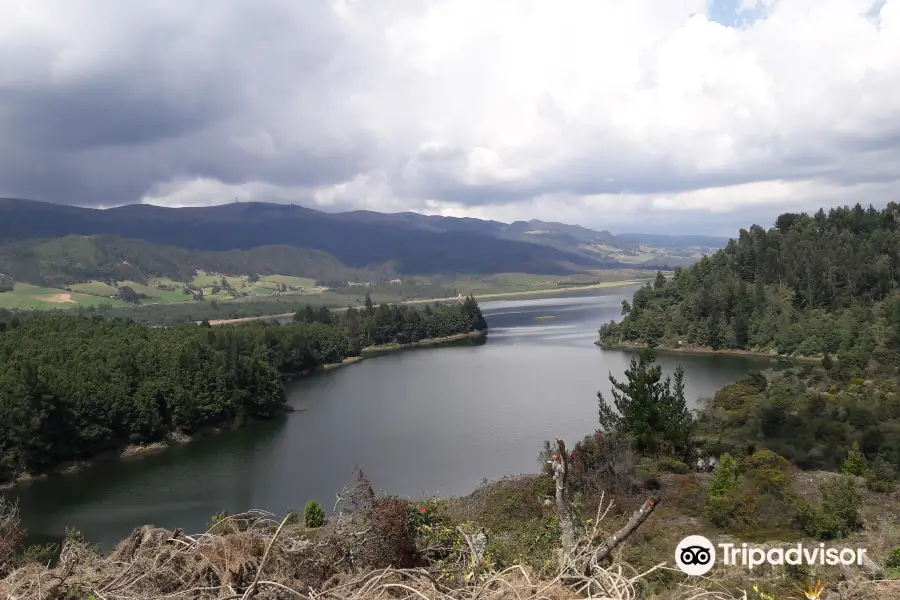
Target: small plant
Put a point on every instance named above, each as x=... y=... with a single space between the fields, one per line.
x=838 y=514
x=893 y=559
x=892 y=564
x=881 y=476
x=313 y=515
x=668 y=464
x=42 y=554
x=855 y=464
x=726 y=477
x=214 y=525
x=293 y=517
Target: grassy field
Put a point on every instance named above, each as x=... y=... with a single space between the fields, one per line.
x=31 y=297
x=304 y=282
x=507 y=283
x=96 y=293
x=153 y=293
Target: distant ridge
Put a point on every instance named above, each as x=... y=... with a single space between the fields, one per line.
x=411 y=243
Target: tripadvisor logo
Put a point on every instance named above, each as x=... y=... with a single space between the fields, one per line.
x=696 y=555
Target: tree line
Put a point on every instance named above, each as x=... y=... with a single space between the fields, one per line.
x=73 y=387
x=401 y=324
x=811 y=285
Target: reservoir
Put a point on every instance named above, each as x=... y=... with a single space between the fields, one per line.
x=433 y=421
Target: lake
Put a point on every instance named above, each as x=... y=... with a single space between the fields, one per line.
x=424 y=421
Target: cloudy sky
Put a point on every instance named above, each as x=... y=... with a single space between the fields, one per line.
x=633 y=115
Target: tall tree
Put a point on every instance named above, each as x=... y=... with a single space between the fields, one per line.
x=645 y=409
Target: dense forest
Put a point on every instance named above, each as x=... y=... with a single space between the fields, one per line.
x=72 y=387
x=811 y=285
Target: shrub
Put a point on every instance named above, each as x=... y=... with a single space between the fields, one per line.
x=771 y=481
x=214 y=523
x=313 y=515
x=668 y=464
x=11 y=532
x=733 y=511
x=856 y=463
x=293 y=518
x=649 y=472
x=838 y=515
x=41 y=554
x=391 y=538
x=893 y=559
x=881 y=477
x=764 y=459
x=726 y=477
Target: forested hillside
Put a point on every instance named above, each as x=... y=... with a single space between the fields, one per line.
x=76 y=258
x=73 y=387
x=812 y=285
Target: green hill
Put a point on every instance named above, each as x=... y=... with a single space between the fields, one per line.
x=811 y=285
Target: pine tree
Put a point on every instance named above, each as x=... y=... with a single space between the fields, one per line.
x=645 y=409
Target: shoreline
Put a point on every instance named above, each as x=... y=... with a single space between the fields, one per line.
x=177 y=438
x=707 y=351
x=486 y=297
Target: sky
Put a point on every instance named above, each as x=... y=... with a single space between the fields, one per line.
x=663 y=116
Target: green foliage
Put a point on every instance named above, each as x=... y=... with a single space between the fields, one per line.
x=856 y=463
x=837 y=515
x=647 y=410
x=42 y=554
x=818 y=285
x=313 y=515
x=893 y=559
x=811 y=419
x=669 y=464
x=882 y=477
x=764 y=459
x=215 y=524
x=726 y=477
x=7 y=283
x=733 y=511
x=73 y=387
x=75 y=258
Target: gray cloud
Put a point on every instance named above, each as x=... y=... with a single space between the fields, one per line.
x=654 y=119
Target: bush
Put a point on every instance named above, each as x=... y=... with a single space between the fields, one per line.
x=649 y=472
x=893 y=559
x=313 y=515
x=856 y=463
x=733 y=511
x=726 y=477
x=667 y=464
x=219 y=524
x=881 y=477
x=42 y=554
x=838 y=515
x=764 y=459
x=11 y=532
x=391 y=539
x=771 y=481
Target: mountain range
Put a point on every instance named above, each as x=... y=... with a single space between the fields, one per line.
x=341 y=243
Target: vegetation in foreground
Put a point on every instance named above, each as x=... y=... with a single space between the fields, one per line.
x=600 y=521
x=72 y=388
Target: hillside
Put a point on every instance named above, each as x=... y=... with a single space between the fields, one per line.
x=74 y=258
x=811 y=285
x=356 y=240
x=412 y=244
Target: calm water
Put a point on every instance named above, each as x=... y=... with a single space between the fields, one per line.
x=432 y=421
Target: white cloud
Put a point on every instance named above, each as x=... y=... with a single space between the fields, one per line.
x=509 y=109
